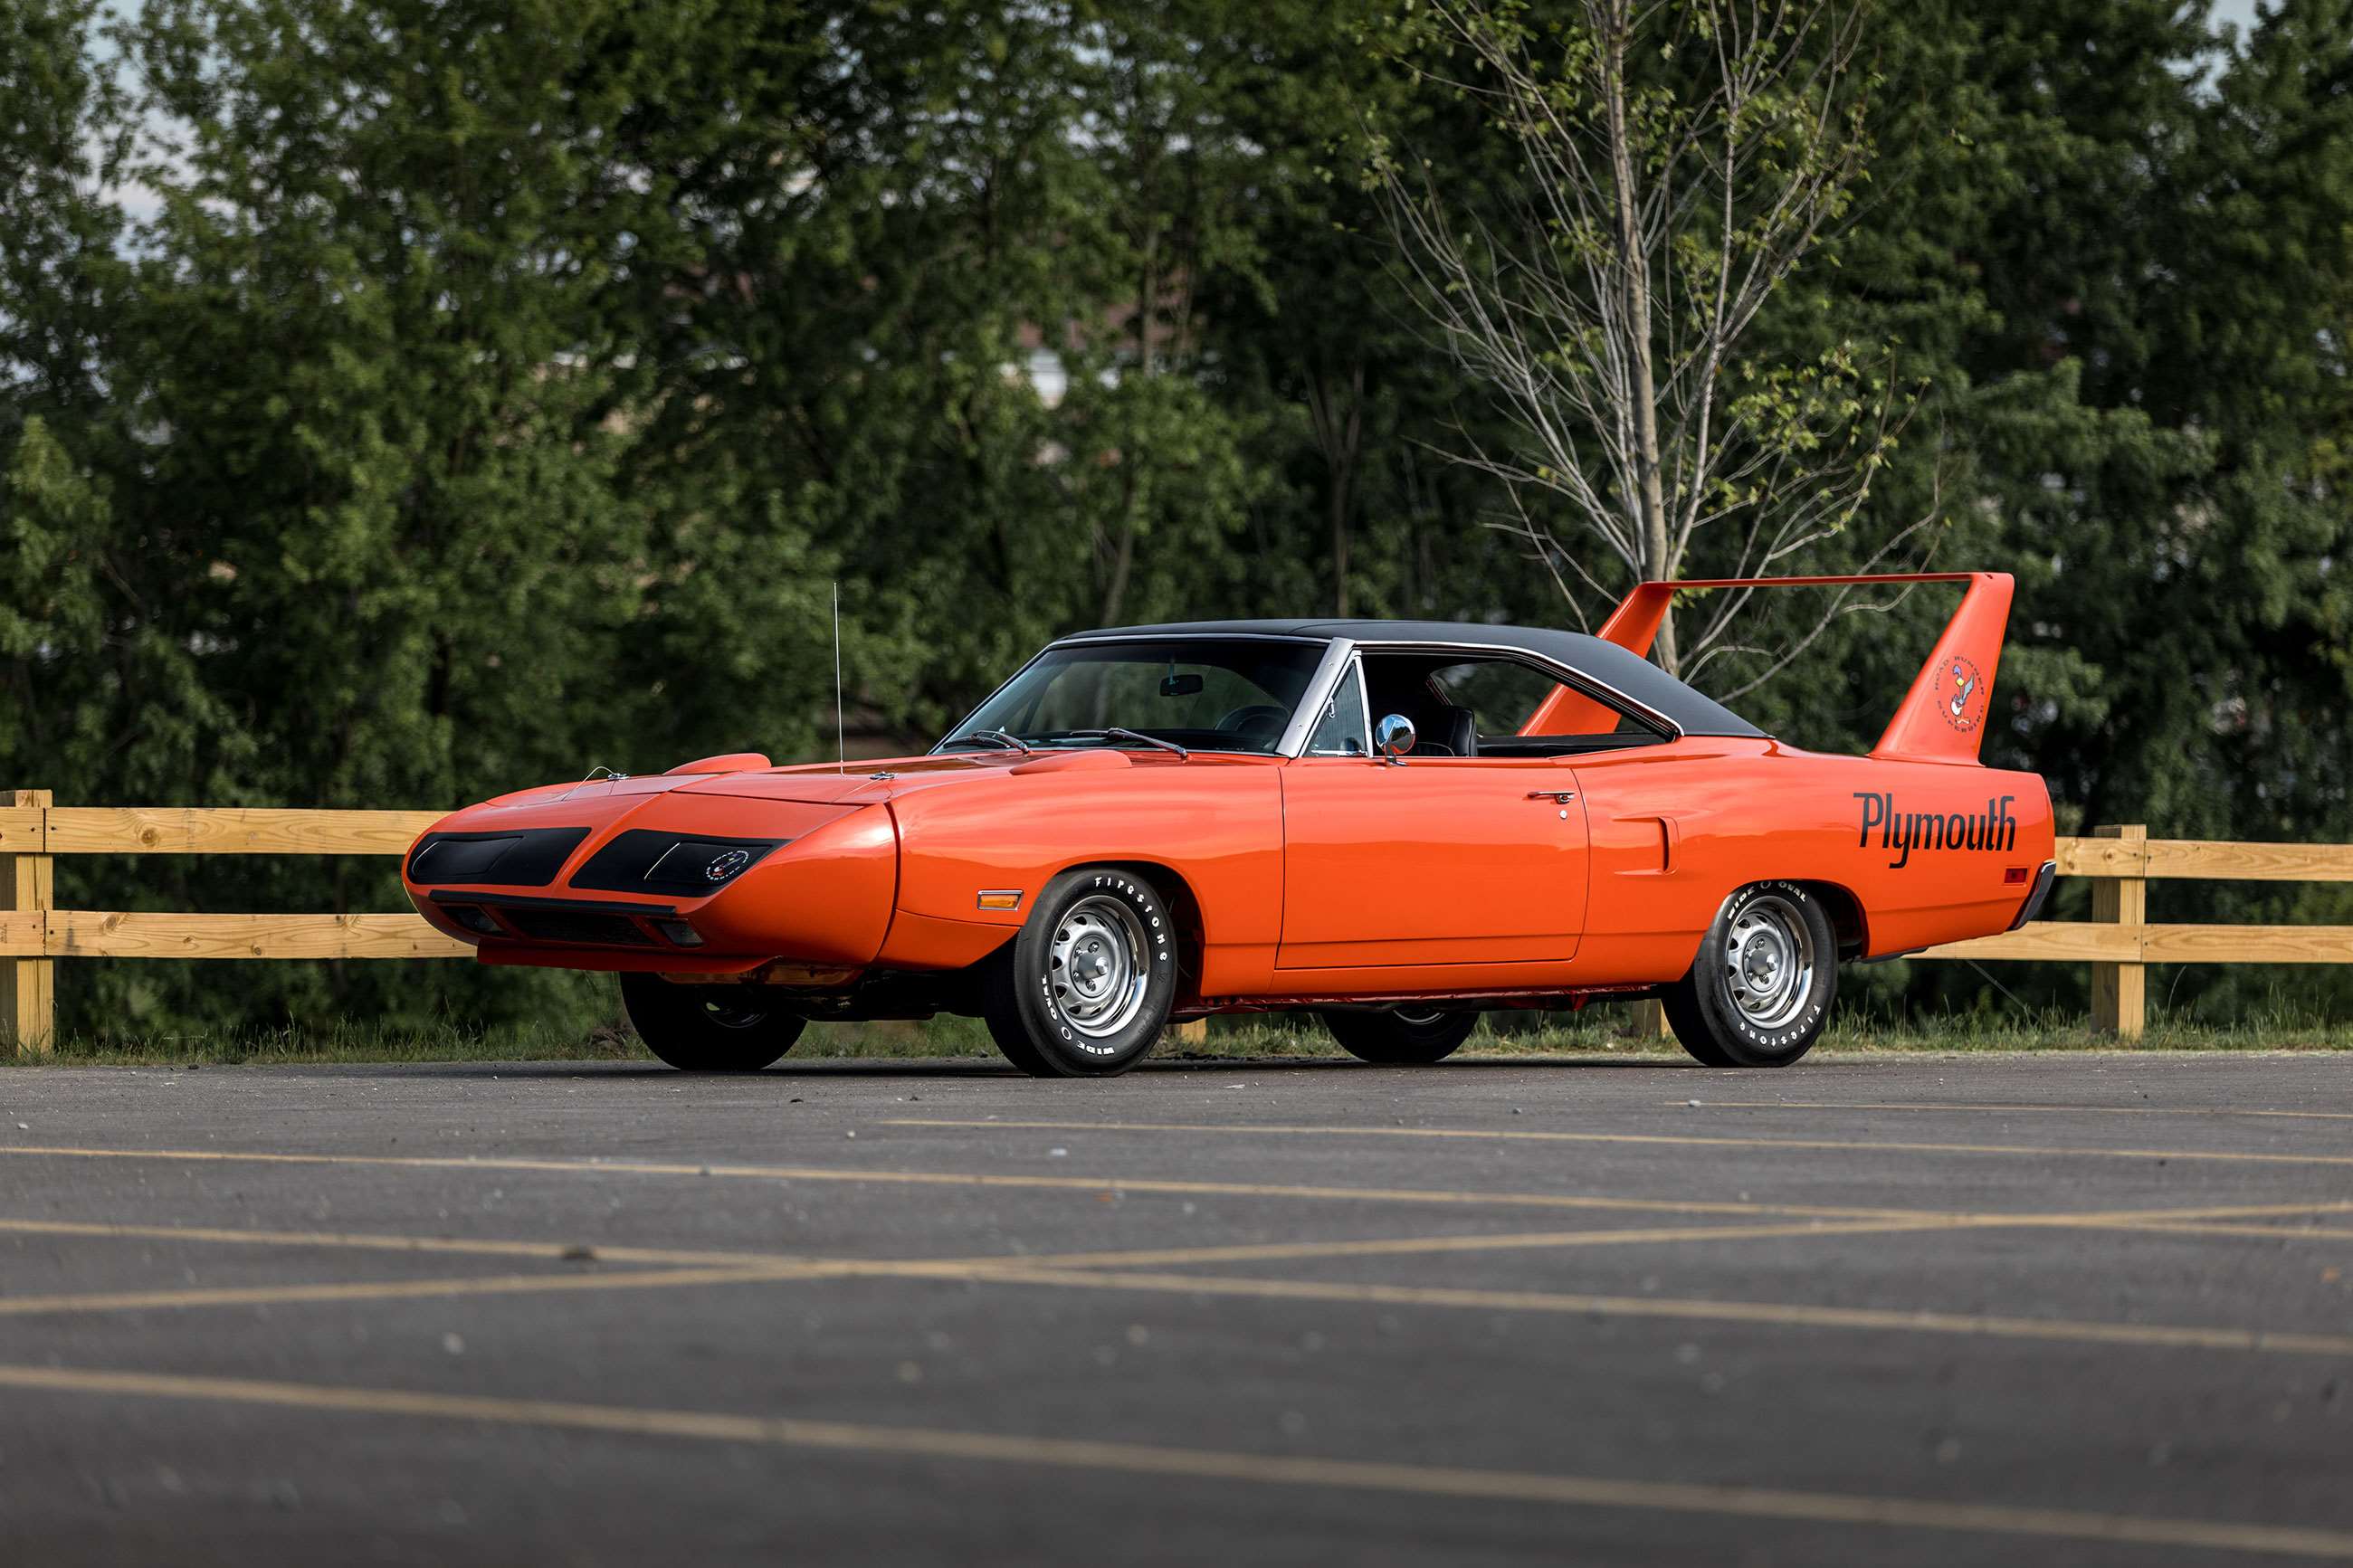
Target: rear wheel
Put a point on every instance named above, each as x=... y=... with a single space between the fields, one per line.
x=1760 y=991
x=1084 y=989
x=708 y=1029
x=1403 y=1035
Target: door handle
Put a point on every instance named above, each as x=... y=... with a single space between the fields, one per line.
x=1562 y=795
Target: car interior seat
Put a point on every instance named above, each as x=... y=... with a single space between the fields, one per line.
x=1453 y=732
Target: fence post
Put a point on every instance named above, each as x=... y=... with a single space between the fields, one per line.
x=2120 y=991
x=1647 y=1020
x=28 y=996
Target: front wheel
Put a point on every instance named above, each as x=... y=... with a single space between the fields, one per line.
x=1402 y=1037
x=1760 y=990
x=1085 y=989
x=714 y=1029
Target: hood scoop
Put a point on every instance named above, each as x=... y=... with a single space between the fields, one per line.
x=732 y=762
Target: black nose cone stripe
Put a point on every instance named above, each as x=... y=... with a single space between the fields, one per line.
x=526 y=858
x=644 y=860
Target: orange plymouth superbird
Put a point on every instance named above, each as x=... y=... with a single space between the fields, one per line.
x=1393 y=824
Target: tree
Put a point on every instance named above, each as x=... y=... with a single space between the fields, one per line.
x=468 y=398
x=1680 y=161
x=359 y=508
x=63 y=141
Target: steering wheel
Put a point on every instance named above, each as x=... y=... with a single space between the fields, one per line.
x=1258 y=722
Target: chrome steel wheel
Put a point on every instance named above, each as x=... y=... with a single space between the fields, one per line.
x=1097 y=966
x=1769 y=962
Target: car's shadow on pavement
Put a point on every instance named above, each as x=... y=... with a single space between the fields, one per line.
x=988 y=1068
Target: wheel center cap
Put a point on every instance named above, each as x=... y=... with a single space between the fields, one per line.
x=1089 y=966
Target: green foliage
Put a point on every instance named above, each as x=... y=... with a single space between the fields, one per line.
x=1631 y=290
x=401 y=401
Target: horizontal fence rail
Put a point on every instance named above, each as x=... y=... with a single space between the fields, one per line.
x=2117 y=941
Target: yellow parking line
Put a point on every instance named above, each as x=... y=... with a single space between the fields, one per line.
x=1896 y=1219
x=1670 y=1140
x=973 y=1178
x=559 y=1251
x=2247 y=1232
x=1407 y=1245
x=1206 y=1464
x=642 y=1254
x=1043 y=1275
x=2162 y=1220
x=1771 y=1313
x=2214 y=1211
x=377 y=1290
x=1931 y=1105
x=1091 y=1271
x=2185 y=1221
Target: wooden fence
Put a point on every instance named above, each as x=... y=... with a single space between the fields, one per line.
x=2120 y=942
x=34 y=933
x=2117 y=941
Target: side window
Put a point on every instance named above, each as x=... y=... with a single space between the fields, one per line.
x=1496 y=707
x=1340 y=732
x=1570 y=713
x=1501 y=695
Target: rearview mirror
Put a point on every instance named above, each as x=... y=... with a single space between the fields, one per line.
x=1393 y=736
x=1179 y=685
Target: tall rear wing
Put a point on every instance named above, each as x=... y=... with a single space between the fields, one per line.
x=1942 y=719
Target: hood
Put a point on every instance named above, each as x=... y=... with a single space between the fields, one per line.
x=866 y=783
x=588 y=794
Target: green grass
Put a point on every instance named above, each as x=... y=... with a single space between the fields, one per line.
x=1599 y=1031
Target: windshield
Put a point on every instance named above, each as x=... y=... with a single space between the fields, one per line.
x=1211 y=694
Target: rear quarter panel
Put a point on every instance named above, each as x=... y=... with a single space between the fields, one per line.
x=1676 y=828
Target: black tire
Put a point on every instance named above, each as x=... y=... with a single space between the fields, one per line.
x=708 y=1029
x=1691 y=1030
x=1760 y=991
x=1084 y=989
x=1005 y=1024
x=1401 y=1036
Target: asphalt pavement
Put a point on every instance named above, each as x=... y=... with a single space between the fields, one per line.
x=1888 y=1311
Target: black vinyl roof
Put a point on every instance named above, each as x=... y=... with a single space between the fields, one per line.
x=1605 y=662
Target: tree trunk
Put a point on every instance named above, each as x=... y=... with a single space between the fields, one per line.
x=1123 y=561
x=1634 y=268
x=1341 y=440
x=1147 y=295
x=1339 y=552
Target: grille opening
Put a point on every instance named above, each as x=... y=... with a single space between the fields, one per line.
x=574 y=925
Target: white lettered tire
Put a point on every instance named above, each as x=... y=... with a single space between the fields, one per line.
x=1084 y=989
x=1760 y=991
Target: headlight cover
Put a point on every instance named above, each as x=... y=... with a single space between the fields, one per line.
x=645 y=860
x=523 y=857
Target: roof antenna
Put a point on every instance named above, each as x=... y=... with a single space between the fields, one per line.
x=840 y=741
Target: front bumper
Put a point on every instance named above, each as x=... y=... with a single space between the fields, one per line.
x=816 y=886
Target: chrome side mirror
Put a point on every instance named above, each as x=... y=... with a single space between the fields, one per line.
x=1393 y=737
